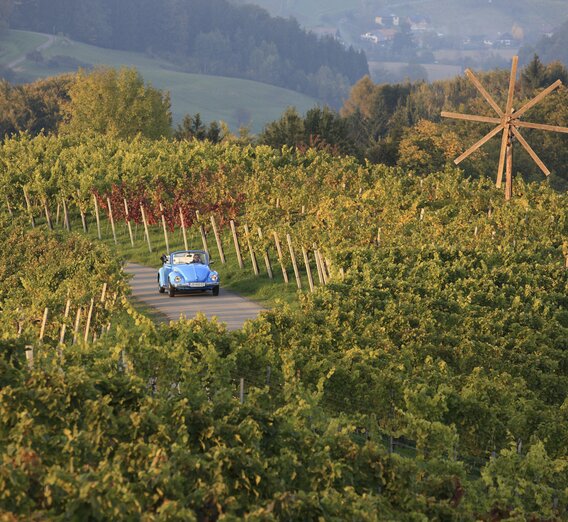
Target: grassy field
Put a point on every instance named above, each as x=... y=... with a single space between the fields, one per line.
x=215 y=97
x=18 y=43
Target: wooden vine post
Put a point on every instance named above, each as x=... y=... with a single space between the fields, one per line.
x=64 y=322
x=98 y=217
x=324 y=273
x=318 y=264
x=183 y=229
x=280 y=257
x=103 y=293
x=47 y=215
x=9 y=207
x=294 y=262
x=202 y=232
x=508 y=122
x=77 y=324
x=30 y=356
x=127 y=215
x=66 y=222
x=146 y=232
x=165 y=229
x=218 y=240
x=326 y=265
x=251 y=251
x=29 y=207
x=110 y=216
x=83 y=215
x=308 y=269
x=203 y=238
x=43 y=324
x=237 y=247
x=89 y=318
x=266 y=257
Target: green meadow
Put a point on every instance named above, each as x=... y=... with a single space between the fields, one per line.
x=232 y=100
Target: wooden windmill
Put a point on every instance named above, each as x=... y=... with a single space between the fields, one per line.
x=509 y=122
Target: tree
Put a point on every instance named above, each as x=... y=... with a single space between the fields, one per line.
x=427 y=147
x=360 y=98
x=192 y=127
x=114 y=102
x=288 y=130
x=35 y=107
x=533 y=76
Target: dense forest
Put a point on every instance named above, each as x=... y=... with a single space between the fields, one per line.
x=205 y=36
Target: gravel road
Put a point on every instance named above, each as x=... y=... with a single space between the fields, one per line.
x=228 y=307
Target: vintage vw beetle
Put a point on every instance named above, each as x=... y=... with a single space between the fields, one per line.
x=187 y=271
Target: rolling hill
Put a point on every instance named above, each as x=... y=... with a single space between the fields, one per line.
x=233 y=100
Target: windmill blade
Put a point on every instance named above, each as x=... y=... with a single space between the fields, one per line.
x=531 y=152
x=540 y=126
x=504 y=142
x=481 y=142
x=512 y=81
x=536 y=99
x=469 y=117
x=483 y=92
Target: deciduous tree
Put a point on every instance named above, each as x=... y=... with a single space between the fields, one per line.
x=114 y=102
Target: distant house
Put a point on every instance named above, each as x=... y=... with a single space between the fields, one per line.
x=387 y=20
x=506 y=40
x=418 y=23
x=370 y=37
x=386 y=35
x=379 y=36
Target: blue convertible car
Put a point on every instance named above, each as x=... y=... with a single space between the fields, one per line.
x=187 y=271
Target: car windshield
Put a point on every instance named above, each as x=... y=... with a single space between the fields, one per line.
x=186 y=258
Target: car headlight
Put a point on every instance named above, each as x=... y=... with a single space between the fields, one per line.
x=214 y=277
x=177 y=279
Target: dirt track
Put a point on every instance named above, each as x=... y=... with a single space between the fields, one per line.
x=228 y=307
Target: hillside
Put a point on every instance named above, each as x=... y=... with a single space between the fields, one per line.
x=233 y=100
x=205 y=37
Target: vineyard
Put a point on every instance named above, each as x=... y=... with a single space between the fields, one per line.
x=421 y=372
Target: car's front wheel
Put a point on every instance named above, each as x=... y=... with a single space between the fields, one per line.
x=216 y=290
x=171 y=291
x=161 y=289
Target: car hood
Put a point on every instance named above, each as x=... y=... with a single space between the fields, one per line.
x=193 y=272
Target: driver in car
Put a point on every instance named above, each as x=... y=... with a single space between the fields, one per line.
x=196 y=259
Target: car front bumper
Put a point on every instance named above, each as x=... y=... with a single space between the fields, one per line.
x=190 y=287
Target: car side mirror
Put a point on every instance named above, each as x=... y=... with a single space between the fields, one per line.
x=212 y=262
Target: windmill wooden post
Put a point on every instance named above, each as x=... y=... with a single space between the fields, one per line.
x=508 y=121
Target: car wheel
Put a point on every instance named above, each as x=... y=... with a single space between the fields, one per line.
x=161 y=289
x=172 y=291
x=216 y=290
